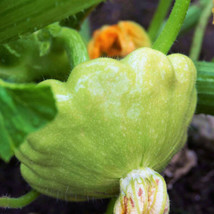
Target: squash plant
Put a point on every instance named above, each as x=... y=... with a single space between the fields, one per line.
x=112 y=126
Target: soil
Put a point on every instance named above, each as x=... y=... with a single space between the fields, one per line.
x=191 y=193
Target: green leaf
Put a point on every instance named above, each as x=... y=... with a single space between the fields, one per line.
x=205 y=87
x=85 y=31
x=23 y=109
x=75 y=21
x=24 y=16
x=193 y=15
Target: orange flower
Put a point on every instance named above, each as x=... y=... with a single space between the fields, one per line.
x=118 y=40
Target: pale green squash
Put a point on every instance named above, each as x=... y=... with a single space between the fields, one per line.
x=113 y=117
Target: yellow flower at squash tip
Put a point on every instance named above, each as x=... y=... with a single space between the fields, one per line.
x=118 y=40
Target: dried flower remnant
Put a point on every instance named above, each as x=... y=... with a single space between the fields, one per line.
x=118 y=40
x=142 y=191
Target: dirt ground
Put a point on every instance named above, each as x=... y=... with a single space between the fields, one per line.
x=192 y=188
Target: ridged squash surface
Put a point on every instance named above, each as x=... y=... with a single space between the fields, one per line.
x=113 y=117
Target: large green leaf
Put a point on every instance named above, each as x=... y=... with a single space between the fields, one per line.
x=75 y=21
x=23 y=109
x=24 y=16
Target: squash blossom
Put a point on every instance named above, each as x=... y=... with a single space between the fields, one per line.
x=118 y=122
x=118 y=40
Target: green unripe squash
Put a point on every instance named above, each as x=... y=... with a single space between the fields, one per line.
x=113 y=117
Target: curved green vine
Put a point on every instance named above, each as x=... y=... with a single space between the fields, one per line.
x=158 y=18
x=20 y=202
x=172 y=27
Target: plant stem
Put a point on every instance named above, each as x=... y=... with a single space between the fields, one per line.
x=172 y=27
x=20 y=202
x=199 y=32
x=158 y=18
x=74 y=46
x=110 y=208
x=72 y=42
x=205 y=87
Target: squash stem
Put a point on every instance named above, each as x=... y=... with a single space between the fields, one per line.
x=72 y=42
x=171 y=30
x=74 y=46
x=158 y=18
x=7 y=202
x=110 y=208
